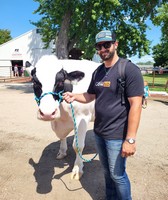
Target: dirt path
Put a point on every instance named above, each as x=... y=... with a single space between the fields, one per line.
x=28 y=147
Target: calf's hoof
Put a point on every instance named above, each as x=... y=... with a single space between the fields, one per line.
x=61 y=156
x=76 y=176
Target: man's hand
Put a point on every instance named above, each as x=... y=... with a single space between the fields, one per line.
x=68 y=97
x=128 y=149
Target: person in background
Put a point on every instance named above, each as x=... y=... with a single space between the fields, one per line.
x=146 y=94
x=115 y=125
x=16 y=72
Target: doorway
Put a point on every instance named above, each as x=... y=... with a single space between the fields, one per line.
x=17 y=67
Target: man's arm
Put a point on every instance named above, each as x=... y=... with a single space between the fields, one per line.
x=133 y=123
x=82 y=98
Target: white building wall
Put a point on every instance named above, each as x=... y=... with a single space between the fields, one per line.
x=5 y=68
x=27 y=47
x=5 y=71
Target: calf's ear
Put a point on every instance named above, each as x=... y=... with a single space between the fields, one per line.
x=27 y=64
x=29 y=68
x=76 y=75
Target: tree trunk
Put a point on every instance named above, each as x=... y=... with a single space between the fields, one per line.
x=62 y=39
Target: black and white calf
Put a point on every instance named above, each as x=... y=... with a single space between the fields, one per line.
x=50 y=78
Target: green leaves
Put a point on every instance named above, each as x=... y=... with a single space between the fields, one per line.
x=75 y=24
x=4 y=36
x=160 y=51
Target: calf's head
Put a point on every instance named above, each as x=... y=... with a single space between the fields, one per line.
x=48 y=88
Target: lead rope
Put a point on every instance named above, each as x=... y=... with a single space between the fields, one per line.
x=76 y=137
x=59 y=94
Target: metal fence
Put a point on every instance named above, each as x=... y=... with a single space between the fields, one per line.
x=153 y=71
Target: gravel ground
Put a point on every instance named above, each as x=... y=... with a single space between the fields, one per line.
x=28 y=148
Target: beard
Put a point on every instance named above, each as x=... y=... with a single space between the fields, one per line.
x=107 y=55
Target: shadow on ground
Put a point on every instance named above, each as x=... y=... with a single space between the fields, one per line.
x=23 y=87
x=46 y=170
x=162 y=101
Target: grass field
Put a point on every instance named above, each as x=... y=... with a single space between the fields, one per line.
x=156 y=82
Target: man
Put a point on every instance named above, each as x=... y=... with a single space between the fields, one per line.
x=115 y=124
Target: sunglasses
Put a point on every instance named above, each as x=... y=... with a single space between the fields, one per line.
x=106 y=45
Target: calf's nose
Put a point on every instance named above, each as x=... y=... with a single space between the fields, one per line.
x=47 y=115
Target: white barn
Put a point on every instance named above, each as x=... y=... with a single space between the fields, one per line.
x=28 y=46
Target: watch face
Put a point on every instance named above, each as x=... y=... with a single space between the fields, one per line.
x=131 y=141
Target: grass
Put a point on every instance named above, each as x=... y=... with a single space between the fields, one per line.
x=156 y=82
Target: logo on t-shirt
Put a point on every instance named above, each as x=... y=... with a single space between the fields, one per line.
x=103 y=84
x=106 y=83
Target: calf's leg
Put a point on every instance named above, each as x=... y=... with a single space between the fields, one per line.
x=78 y=145
x=62 y=153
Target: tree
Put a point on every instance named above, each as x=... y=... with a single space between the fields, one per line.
x=4 y=36
x=75 y=24
x=145 y=63
x=159 y=56
x=160 y=51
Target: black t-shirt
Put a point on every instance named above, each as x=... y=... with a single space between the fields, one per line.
x=111 y=117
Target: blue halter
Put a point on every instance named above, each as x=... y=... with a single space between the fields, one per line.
x=59 y=94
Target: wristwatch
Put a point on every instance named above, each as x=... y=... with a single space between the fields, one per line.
x=130 y=140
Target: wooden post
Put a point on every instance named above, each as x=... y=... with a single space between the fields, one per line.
x=166 y=86
x=153 y=78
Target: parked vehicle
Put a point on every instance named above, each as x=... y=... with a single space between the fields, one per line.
x=157 y=70
x=165 y=70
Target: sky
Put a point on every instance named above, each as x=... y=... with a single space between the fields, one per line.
x=15 y=15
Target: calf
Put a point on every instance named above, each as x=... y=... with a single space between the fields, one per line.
x=51 y=77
